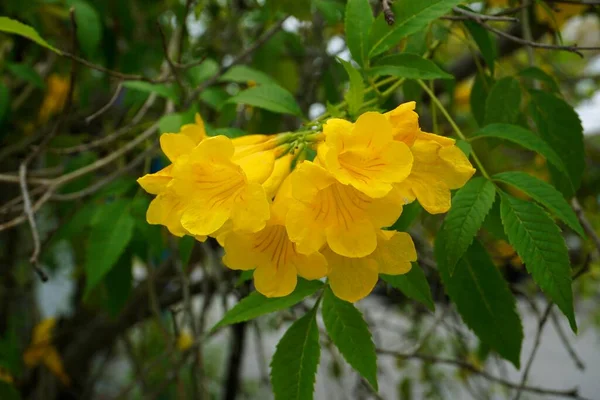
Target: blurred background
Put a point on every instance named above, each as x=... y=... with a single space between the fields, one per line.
x=85 y=124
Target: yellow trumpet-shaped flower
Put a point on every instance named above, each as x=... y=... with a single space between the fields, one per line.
x=364 y=154
x=405 y=122
x=323 y=210
x=216 y=189
x=42 y=351
x=272 y=253
x=281 y=170
x=439 y=165
x=352 y=279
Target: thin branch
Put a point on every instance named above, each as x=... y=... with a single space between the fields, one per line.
x=571 y=393
x=482 y=17
x=536 y=345
x=563 y=337
x=168 y=58
x=585 y=223
x=108 y=105
x=240 y=57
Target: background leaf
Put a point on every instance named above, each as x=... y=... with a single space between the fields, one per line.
x=544 y=194
x=486 y=42
x=411 y=66
x=350 y=334
x=355 y=94
x=503 y=102
x=483 y=299
x=13 y=26
x=270 y=97
x=358 y=21
x=296 y=359
x=255 y=304
x=158 y=88
x=412 y=284
x=540 y=245
x=89 y=26
x=470 y=205
x=27 y=73
x=245 y=74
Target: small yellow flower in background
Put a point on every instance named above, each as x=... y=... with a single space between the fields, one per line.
x=272 y=253
x=56 y=97
x=439 y=165
x=216 y=189
x=364 y=154
x=352 y=279
x=42 y=351
x=184 y=341
x=5 y=376
x=326 y=211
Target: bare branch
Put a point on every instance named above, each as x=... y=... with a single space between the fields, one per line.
x=108 y=105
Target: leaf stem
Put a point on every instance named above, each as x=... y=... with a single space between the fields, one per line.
x=455 y=127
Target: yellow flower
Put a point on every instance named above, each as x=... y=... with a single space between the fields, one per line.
x=184 y=341
x=56 y=97
x=5 y=376
x=351 y=279
x=281 y=170
x=439 y=165
x=215 y=189
x=166 y=209
x=41 y=350
x=364 y=154
x=326 y=211
x=272 y=253
x=405 y=122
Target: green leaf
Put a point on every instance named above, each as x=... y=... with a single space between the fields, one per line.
x=543 y=193
x=270 y=97
x=470 y=205
x=464 y=146
x=294 y=364
x=245 y=74
x=170 y=123
x=413 y=284
x=538 y=74
x=27 y=73
x=245 y=276
x=112 y=228
x=89 y=26
x=523 y=137
x=350 y=334
x=358 y=21
x=255 y=304
x=483 y=299
x=503 y=102
x=355 y=94
x=229 y=132
x=185 y=246
x=538 y=241
x=4 y=101
x=478 y=98
x=118 y=284
x=493 y=222
x=411 y=66
x=158 y=88
x=13 y=26
x=9 y=391
x=331 y=10
x=411 y=17
x=202 y=72
x=485 y=41
x=409 y=213
x=560 y=126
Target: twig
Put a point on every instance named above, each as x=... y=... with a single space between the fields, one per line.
x=536 y=345
x=563 y=337
x=174 y=70
x=571 y=393
x=527 y=35
x=482 y=17
x=585 y=223
x=240 y=57
x=388 y=13
x=107 y=105
x=581 y=3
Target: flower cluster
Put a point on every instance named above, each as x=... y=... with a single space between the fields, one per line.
x=322 y=218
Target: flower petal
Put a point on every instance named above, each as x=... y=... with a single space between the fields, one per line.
x=175 y=145
x=356 y=239
x=351 y=279
x=275 y=282
x=199 y=219
x=258 y=166
x=251 y=209
x=156 y=183
x=166 y=209
x=405 y=122
x=395 y=251
x=312 y=266
x=308 y=179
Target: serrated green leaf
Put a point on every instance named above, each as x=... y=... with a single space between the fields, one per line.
x=540 y=75
x=470 y=205
x=411 y=16
x=538 y=241
x=18 y=28
x=158 y=88
x=502 y=104
x=350 y=334
x=27 y=73
x=544 y=194
x=245 y=74
x=358 y=21
x=523 y=137
x=89 y=26
x=483 y=299
x=294 y=364
x=270 y=97
x=486 y=42
x=493 y=222
x=355 y=94
x=410 y=66
x=412 y=284
x=255 y=304
x=559 y=125
x=112 y=228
